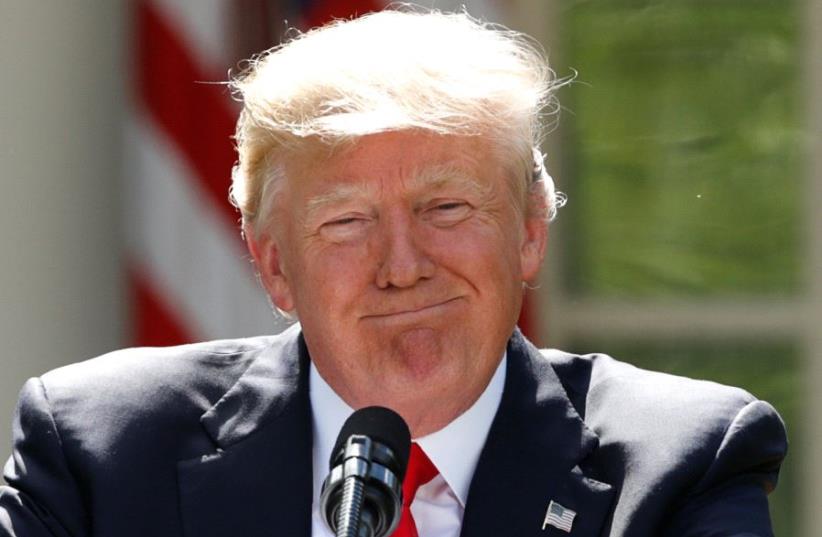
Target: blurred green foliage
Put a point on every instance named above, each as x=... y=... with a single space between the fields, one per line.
x=683 y=147
x=770 y=371
x=683 y=143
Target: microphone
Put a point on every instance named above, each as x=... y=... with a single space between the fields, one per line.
x=362 y=495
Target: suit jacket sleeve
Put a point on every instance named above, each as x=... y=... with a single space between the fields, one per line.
x=731 y=497
x=42 y=497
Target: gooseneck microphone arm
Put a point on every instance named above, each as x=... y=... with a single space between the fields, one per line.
x=357 y=459
x=362 y=495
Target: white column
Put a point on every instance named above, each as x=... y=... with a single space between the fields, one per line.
x=61 y=297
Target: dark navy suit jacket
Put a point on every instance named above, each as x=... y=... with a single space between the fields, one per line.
x=214 y=439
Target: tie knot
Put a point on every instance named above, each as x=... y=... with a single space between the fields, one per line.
x=420 y=471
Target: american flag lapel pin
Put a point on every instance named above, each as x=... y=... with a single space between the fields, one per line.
x=559 y=517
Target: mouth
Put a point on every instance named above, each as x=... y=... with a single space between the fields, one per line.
x=411 y=314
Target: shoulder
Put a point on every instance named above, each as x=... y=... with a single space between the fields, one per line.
x=660 y=423
x=147 y=376
x=131 y=396
x=683 y=453
x=600 y=387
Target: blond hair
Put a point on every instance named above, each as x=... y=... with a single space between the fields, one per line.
x=403 y=68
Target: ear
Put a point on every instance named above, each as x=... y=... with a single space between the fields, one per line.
x=534 y=239
x=267 y=257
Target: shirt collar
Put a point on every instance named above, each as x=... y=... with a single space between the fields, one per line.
x=454 y=449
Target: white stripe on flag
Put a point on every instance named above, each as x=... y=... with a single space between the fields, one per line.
x=181 y=240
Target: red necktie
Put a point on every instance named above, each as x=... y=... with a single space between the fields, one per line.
x=420 y=471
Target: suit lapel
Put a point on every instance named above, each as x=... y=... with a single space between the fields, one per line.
x=532 y=457
x=258 y=481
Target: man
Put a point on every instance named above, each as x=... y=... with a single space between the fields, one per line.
x=394 y=204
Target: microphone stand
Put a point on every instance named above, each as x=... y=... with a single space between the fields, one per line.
x=362 y=495
x=350 y=522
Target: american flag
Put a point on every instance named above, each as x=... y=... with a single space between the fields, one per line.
x=188 y=270
x=559 y=517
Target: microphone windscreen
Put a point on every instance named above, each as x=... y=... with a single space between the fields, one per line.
x=379 y=424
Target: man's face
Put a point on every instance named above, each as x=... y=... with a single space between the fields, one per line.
x=403 y=256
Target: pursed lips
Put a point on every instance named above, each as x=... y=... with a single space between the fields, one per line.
x=411 y=311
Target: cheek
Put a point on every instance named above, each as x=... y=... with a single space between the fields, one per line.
x=330 y=277
x=486 y=255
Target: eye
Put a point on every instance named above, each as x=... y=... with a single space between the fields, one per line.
x=448 y=212
x=344 y=221
x=344 y=228
x=450 y=206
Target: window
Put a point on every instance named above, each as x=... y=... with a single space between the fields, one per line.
x=683 y=148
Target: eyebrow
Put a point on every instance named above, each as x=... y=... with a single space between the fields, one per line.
x=337 y=194
x=428 y=178
x=440 y=176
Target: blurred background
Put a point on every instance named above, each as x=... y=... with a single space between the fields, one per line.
x=689 y=146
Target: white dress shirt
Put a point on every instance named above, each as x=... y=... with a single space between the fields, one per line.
x=439 y=505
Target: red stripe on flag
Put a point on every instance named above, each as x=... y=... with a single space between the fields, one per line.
x=196 y=116
x=323 y=11
x=154 y=323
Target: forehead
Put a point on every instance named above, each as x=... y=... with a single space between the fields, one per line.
x=412 y=161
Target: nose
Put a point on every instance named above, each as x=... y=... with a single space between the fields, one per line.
x=404 y=260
